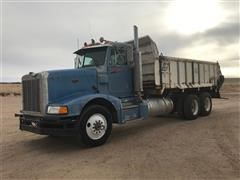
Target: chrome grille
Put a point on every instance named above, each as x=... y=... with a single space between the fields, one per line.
x=31 y=95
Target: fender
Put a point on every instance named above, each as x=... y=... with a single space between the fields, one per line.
x=76 y=104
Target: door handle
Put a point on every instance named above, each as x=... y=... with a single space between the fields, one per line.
x=116 y=69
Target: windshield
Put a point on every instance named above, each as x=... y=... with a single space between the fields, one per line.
x=90 y=57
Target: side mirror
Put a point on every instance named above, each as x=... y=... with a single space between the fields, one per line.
x=77 y=62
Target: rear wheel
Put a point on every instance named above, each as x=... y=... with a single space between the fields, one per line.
x=205 y=104
x=95 y=125
x=179 y=106
x=191 y=107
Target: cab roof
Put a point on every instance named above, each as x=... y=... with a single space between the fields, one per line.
x=98 y=45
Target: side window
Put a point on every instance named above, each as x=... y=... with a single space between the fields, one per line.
x=121 y=56
x=118 y=57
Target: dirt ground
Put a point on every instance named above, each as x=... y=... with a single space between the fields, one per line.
x=156 y=148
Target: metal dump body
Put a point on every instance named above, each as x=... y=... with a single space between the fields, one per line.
x=187 y=73
x=163 y=72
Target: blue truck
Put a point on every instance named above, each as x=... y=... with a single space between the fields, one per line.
x=115 y=82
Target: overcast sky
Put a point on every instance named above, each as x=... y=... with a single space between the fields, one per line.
x=38 y=36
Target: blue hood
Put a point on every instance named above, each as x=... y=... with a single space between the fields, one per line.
x=64 y=83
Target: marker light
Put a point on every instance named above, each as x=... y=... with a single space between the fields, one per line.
x=93 y=41
x=57 y=110
x=101 y=40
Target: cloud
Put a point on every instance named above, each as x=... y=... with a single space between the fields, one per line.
x=42 y=36
x=217 y=44
x=224 y=34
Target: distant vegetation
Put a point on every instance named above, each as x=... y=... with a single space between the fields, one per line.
x=10 y=82
x=15 y=88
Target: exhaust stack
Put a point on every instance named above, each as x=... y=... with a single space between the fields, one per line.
x=138 y=86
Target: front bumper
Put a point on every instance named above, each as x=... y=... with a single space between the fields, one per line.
x=56 y=127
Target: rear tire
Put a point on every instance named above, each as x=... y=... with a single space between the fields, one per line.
x=179 y=106
x=205 y=104
x=95 y=125
x=191 y=107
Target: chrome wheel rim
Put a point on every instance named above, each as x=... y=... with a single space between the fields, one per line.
x=96 y=126
x=207 y=104
x=195 y=107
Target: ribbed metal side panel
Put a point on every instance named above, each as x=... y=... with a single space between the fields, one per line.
x=188 y=73
x=31 y=95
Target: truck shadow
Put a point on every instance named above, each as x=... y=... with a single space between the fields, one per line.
x=50 y=144
x=120 y=133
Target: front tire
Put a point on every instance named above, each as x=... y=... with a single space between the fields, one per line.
x=191 y=107
x=95 y=125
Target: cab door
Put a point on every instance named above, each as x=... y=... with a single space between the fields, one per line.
x=120 y=73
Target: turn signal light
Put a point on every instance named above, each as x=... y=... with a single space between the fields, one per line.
x=57 y=110
x=63 y=110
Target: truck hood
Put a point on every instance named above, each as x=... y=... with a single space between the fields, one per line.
x=64 y=83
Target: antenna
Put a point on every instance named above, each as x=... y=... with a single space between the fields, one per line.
x=77 y=43
x=90 y=28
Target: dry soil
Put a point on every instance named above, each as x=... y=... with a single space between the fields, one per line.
x=156 y=148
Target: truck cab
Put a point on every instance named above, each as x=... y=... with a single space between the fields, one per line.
x=85 y=100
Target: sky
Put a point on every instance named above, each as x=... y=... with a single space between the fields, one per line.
x=42 y=35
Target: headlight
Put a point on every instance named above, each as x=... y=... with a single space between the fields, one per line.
x=57 y=110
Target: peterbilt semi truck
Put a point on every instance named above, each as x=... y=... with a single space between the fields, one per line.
x=116 y=82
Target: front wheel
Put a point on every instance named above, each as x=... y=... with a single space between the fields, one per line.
x=95 y=125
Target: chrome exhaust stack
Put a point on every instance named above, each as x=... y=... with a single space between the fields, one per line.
x=138 y=85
